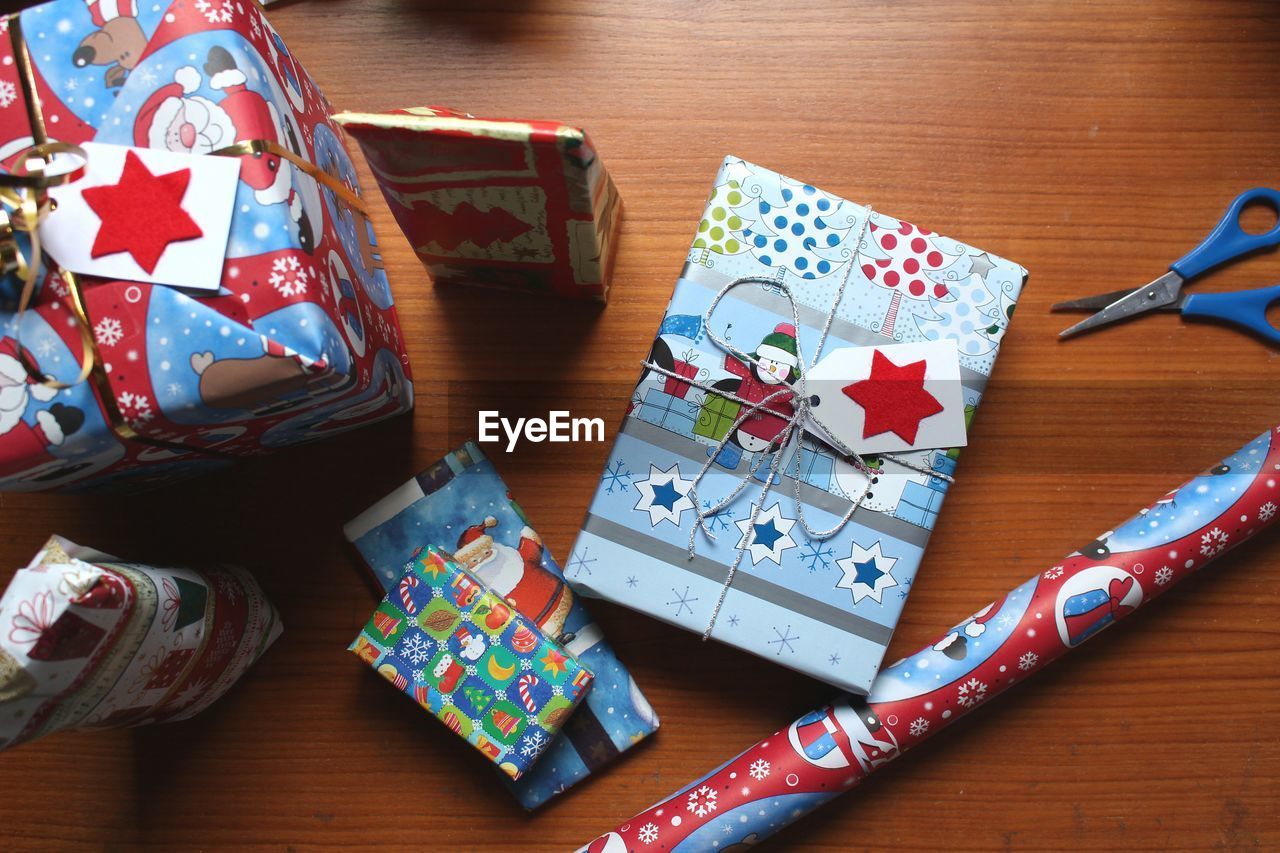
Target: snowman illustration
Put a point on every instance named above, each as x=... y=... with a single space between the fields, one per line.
x=517 y=574
x=471 y=646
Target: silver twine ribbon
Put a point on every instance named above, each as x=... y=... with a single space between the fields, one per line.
x=801 y=402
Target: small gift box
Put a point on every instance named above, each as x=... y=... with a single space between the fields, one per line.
x=483 y=669
x=523 y=205
x=779 y=496
x=87 y=641
x=207 y=284
x=463 y=501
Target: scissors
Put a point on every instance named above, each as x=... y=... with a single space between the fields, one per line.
x=1245 y=309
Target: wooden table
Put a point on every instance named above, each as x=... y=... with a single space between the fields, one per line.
x=1091 y=142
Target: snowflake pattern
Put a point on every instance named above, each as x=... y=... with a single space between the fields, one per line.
x=815 y=557
x=1053 y=574
x=702 y=800
x=288 y=277
x=616 y=477
x=136 y=408
x=971 y=693
x=648 y=833
x=784 y=640
x=218 y=11
x=1267 y=511
x=759 y=769
x=108 y=332
x=534 y=744
x=1214 y=542
x=1164 y=574
x=579 y=563
x=8 y=94
x=1028 y=660
x=918 y=726
x=720 y=521
x=416 y=650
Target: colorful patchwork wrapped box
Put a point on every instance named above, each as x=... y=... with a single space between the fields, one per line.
x=462 y=500
x=248 y=311
x=486 y=671
x=725 y=424
x=524 y=205
x=87 y=641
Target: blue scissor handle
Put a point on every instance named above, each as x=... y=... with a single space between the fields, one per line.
x=1228 y=240
x=1244 y=308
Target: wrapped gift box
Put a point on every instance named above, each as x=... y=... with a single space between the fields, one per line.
x=463 y=501
x=89 y=641
x=300 y=341
x=824 y=606
x=524 y=205
x=483 y=669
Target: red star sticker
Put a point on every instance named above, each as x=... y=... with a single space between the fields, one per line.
x=893 y=398
x=142 y=213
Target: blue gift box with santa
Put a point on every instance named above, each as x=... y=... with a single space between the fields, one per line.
x=188 y=271
x=834 y=354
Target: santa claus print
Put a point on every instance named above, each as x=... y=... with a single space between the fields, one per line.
x=774 y=368
x=517 y=574
x=176 y=118
x=25 y=446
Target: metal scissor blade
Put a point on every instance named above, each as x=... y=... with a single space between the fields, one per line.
x=1091 y=303
x=1158 y=294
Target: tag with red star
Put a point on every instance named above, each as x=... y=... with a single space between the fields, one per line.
x=145 y=215
x=889 y=398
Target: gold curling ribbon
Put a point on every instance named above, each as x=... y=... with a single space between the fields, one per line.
x=25 y=191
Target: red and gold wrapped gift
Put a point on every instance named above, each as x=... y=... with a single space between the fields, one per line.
x=523 y=205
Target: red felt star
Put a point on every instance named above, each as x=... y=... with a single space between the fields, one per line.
x=142 y=213
x=893 y=398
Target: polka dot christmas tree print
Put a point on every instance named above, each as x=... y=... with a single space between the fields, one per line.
x=974 y=318
x=795 y=227
x=722 y=224
x=908 y=261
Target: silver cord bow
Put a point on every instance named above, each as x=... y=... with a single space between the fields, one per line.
x=797 y=396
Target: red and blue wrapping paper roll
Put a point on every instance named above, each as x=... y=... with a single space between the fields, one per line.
x=828 y=751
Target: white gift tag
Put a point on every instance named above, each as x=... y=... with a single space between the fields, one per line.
x=888 y=398
x=142 y=214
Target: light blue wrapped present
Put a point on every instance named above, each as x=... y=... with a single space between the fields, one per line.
x=766 y=582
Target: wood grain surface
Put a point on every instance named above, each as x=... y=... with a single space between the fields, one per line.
x=1093 y=142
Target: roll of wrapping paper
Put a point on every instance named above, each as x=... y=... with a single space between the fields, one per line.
x=830 y=750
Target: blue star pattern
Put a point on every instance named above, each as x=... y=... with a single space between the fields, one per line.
x=665 y=495
x=867 y=572
x=768 y=537
x=767 y=534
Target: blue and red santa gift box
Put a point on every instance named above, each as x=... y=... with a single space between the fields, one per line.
x=462 y=500
x=296 y=339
